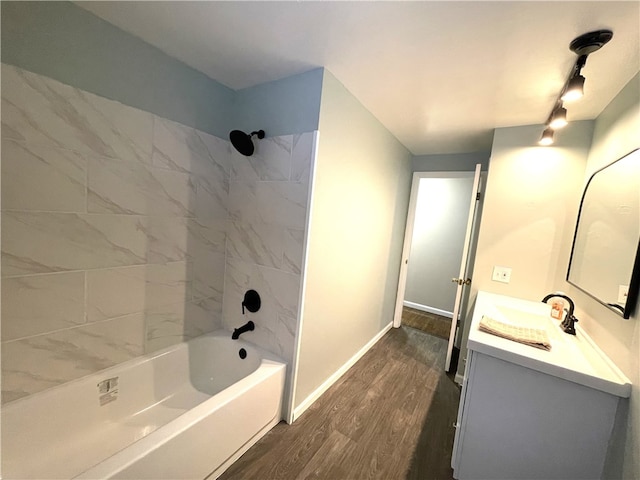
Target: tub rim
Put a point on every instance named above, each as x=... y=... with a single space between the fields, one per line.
x=133 y=362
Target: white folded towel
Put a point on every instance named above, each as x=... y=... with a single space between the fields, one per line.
x=534 y=337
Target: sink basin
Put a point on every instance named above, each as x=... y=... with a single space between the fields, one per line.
x=521 y=317
x=572 y=357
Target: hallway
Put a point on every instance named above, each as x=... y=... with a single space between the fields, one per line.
x=389 y=417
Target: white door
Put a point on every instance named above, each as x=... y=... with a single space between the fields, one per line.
x=402 y=283
x=463 y=281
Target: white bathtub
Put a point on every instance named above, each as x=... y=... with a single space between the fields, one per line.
x=185 y=412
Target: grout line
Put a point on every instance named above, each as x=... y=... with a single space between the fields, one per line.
x=100 y=269
x=105 y=320
x=100 y=214
x=87 y=161
x=86 y=298
x=73 y=327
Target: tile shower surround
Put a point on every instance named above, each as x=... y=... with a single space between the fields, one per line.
x=123 y=232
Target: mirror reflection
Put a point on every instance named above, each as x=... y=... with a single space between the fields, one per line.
x=604 y=261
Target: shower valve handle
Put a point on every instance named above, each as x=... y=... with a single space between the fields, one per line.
x=251 y=301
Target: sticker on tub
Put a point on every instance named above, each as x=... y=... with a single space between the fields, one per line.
x=108 y=397
x=108 y=390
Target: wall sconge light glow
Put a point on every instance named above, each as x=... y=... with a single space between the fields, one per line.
x=558 y=118
x=574 y=90
x=547 y=137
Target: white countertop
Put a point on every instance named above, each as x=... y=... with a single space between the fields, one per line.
x=574 y=358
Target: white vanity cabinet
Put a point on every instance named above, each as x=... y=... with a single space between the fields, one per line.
x=527 y=413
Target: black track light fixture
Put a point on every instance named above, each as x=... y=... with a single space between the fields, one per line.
x=573 y=89
x=590 y=42
x=558 y=118
x=546 y=138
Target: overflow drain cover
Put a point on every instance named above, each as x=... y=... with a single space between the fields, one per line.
x=242 y=353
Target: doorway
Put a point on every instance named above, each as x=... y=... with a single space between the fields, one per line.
x=431 y=323
x=438 y=236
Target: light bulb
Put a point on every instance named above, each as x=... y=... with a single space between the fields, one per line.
x=547 y=137
x=558 y=118
x=574 y=90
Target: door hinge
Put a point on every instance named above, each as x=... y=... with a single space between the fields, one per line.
x=478 y=196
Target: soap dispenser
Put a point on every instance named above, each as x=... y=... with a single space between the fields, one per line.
x=557 y=307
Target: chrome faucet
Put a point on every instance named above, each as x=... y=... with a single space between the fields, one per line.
x=568 y=324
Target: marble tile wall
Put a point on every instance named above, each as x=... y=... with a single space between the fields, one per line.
x=113 y=231
x=268 y=207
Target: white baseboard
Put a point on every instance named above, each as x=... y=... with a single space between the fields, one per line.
x=425 y=308
x=307 y=402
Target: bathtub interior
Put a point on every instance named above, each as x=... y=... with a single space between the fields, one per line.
x=235 y=367
x=64 y=431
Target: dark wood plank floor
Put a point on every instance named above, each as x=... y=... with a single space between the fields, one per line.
x=427 y=322
x=389 y=417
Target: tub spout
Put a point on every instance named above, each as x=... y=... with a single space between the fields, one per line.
x=568 y=324
x=247 y=327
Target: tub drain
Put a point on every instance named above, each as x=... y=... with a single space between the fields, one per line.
x=242 y=353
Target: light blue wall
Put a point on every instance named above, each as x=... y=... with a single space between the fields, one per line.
x=66 y=43
x=356 y=231
x=452 y=162
x=69 y=44
x=616 y=134
x=526 y=225
x=290 y=105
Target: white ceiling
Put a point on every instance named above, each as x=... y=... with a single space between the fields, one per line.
x=439 y=75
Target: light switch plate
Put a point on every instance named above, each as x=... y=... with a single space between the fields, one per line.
x=623 y=293
x=501 y=274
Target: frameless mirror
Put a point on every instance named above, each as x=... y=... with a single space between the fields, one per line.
x=605 y=257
